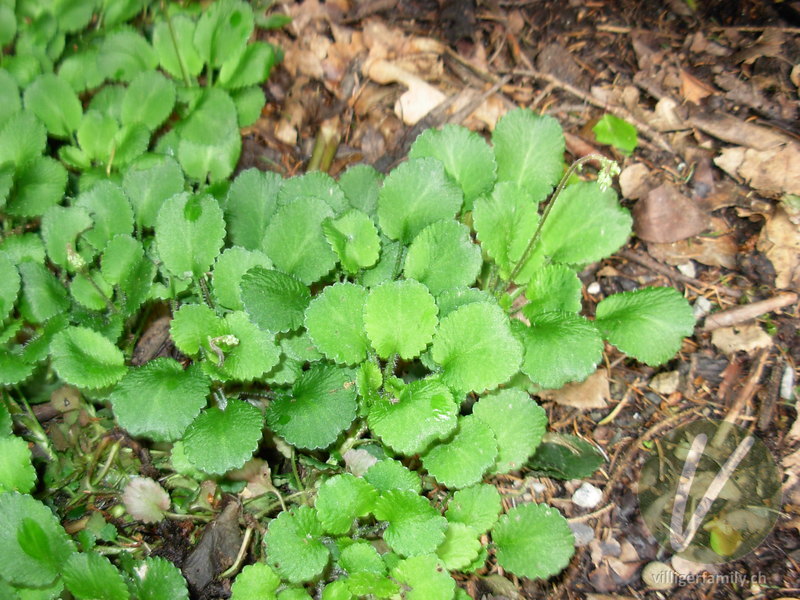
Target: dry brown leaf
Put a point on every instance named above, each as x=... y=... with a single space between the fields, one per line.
x=666 y=116
x=775 y=171
x=414 y=104
x=692 y=89
x=592 y=393
x=712 y=251
x=780 y=242
x=735 y=131
x=740 y=338
x=665 y=215
x=768 y=44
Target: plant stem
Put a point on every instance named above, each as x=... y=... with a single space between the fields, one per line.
x=201 y=281
x=187 y=80
x=574 y=168
x=352 y=440
x=391 y=364
x=297 y=480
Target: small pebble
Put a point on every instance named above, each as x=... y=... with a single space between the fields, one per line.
x=658 y=576
x=587 y=496
x=688 y=269
x=787 y=383
x=665 y=383
x=702 y=306
x=538 y=487
x=582 y=532
x=593 y=288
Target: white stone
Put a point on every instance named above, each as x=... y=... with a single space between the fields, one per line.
x=702 y=306
x=593 y=288
x=587 y=496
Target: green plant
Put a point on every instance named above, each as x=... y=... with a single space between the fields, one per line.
x=364 y=328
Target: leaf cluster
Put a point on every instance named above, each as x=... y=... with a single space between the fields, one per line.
x=307 y=313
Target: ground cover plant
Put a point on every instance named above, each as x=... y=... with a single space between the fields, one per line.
x=376 y=337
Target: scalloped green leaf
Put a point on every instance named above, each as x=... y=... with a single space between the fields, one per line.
x=359 y=557
x=43 y=296
x=56 y=105
x=295 y=242
x=553 y=288
x=96 y=135
x=414 y=195
x=90 y=576
x=124 y=264
x=86 y=359
x=80 y=70
x=518 y=424
x=149 y=100
x=39 y=184
x=91 y=290
x=160 y=399
x=10 y=102
x=256 y=582
x=415 y=527
x=209 y=143
x=61 y=227
x=460 y=546
x=424 y=412
x=249 y=103
x=334 y=321
x=16 y=470
x=148 y=183
x=529 y=149
x=390 y=309
x=462 y=460
x=189 y=233
x=223 y=30
x=559 y=347
x=173 y=42
x=293 y=546
x=565 y=456
x=35 y=546
x=385 y=269
x=505 y=222
x=454 y=298
x=475 y=348
x=220 y=440
x=361 y=185
x=648 y=324
x=388 y=474
x=156 y=579
x=466 y=156
x=275 y=301
x=443 y=256
x=424 y=577
x=533 y=540
x=320 y=405
x=314 y=184
x=354 y=238
x=22 y=139
x=341 y=500
x=191 y=327
x=111 y=212
x=251 y=66
x=249 y=206
x=124 y=54
x=253 y=353
x=585 y=224
x=477 y=506
x=229 y=268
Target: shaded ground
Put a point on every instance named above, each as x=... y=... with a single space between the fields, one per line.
x=712 y=88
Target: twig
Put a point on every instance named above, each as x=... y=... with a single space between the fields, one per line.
x=617 y=111
x=732 y=316
x=674 y=274
x=748 y=390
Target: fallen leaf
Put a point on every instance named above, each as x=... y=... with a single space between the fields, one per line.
x=665 y=383
x=665 y=215
x=666 y=116
x=780 y=242
x=692 y=89
x=712 y=251
x=591 y=393
x=740 y=338
x=414 y=104
x=735 y=131
x=768 y=44
x=775 y=171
